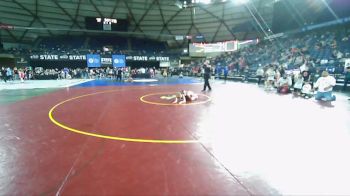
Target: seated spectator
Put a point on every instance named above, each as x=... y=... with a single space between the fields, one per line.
x=306 y=75
x=181 y=75
x=324 y=86
x=316 y=75
x=270 y=78
x=284 y=84
x=130 y=79
x=277 y=77
x=298 y=84
x=307 y=91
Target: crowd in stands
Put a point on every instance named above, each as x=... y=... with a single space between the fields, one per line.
x=297 y=57
x=9 y=74
x=39 y=73
x=80 y=45
x=296 y=60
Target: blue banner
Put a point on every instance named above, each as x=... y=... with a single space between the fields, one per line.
x=93 y=60
x=118 y=60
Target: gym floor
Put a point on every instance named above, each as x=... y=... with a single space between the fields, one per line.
x=108 y=138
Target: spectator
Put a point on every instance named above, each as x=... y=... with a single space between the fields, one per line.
x=4 y=74
x=306 y=75
x=119 y=75
x=259 y=73
x=298 y=84
x=270 y=78
x=306 y=91
x=284 y=84
x=9 y=74
x=21 y=75
x=225 y=73
x=324 y=86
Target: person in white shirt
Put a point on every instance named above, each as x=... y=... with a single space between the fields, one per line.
x=303 y=68
x=298 y=83
x=270 y=78
x=259 y=73
x=324 y=86
x=283 y=84
x=306 y=91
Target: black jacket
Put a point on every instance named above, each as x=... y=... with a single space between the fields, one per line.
x=207 y=72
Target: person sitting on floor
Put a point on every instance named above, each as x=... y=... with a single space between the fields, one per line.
x=283 y=84
x=298 y=84
x=185 y=96
x=181 y=75
x=307 y=91
x=324 y=86
x=270 y=77
x=130 y=79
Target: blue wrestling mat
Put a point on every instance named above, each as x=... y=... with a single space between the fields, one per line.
x=137 y=82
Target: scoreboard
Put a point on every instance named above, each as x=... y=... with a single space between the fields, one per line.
x=202 y=49
x=106 y=24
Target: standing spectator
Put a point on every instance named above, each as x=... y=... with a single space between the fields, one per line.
x=21 y=75
x=4 y=74
x=119 y=74
x=259 y=73
x=115 y=73
x=26 y=71
x=151 y=72
x=325 y=86
x=9 y=74
x=225 y=73
x=15 y=73
x=165 y=73
x=242 y=65
x=65 y=70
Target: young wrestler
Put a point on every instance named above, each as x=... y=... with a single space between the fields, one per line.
x=185 y=96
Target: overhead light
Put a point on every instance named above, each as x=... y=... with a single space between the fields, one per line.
x=178 y=4
x=202 y=1
x=205 y=1
x=240 y=2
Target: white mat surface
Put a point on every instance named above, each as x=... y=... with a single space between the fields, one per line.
x=32 y=84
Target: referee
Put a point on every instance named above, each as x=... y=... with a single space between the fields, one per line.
x=207 y=73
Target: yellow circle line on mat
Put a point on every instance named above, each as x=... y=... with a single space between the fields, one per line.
x=108 y=136
x=173 y=104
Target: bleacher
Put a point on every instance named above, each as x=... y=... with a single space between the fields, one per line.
x=321 y=50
